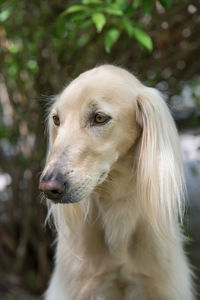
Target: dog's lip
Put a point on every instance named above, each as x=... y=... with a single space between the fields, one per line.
x=102 y=177
x=65 y=199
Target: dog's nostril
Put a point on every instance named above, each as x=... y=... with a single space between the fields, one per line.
x=55 y=192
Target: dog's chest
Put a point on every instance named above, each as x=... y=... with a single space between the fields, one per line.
x=103 y=243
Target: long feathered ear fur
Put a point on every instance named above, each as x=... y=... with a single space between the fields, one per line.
x=160 y=179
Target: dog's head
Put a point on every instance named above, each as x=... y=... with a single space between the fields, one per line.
x=91 y=124
x=94 y=122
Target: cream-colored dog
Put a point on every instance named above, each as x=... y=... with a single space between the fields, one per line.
x=114 y=175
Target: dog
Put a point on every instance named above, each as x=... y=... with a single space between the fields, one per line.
x=114 y=180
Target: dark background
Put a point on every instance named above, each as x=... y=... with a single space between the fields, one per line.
x=40 y=51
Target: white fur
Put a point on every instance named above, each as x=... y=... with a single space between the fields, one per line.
x=123 y=240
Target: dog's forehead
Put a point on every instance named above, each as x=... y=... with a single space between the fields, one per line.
x=100 y=87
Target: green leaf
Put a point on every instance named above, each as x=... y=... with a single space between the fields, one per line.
x=14 y=48
x=85 y=24
x=32 y=65
x=120 y=2
x=74 y=9
x=77 y=18
x=143 y=38
x=4 y=15
x=113 y=11
x=82 y=40
x=13 y=69
x=128 y=26
x=166 y=3
x=147 y=5
x=129 y=10
x=99 y=20
x=136 y=3
x=86 y=2
x=111 y=37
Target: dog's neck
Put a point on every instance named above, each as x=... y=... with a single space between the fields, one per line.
x=109 y=205
x=117 y=203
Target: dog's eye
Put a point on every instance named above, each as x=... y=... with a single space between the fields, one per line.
x=56 y=120
x=100 y=118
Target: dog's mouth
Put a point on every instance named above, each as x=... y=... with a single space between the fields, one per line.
x=65 y=193
x=67 y=196
x=102 y=177
x=65 y=199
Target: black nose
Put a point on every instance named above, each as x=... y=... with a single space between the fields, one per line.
x=53 y=185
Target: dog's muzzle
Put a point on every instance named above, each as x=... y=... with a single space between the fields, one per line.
x=54 y=186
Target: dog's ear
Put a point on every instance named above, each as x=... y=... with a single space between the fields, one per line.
x=160 y=179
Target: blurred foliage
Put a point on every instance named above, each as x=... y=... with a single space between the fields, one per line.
x=43 y=45
x=24 y=26
x=116 y=16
